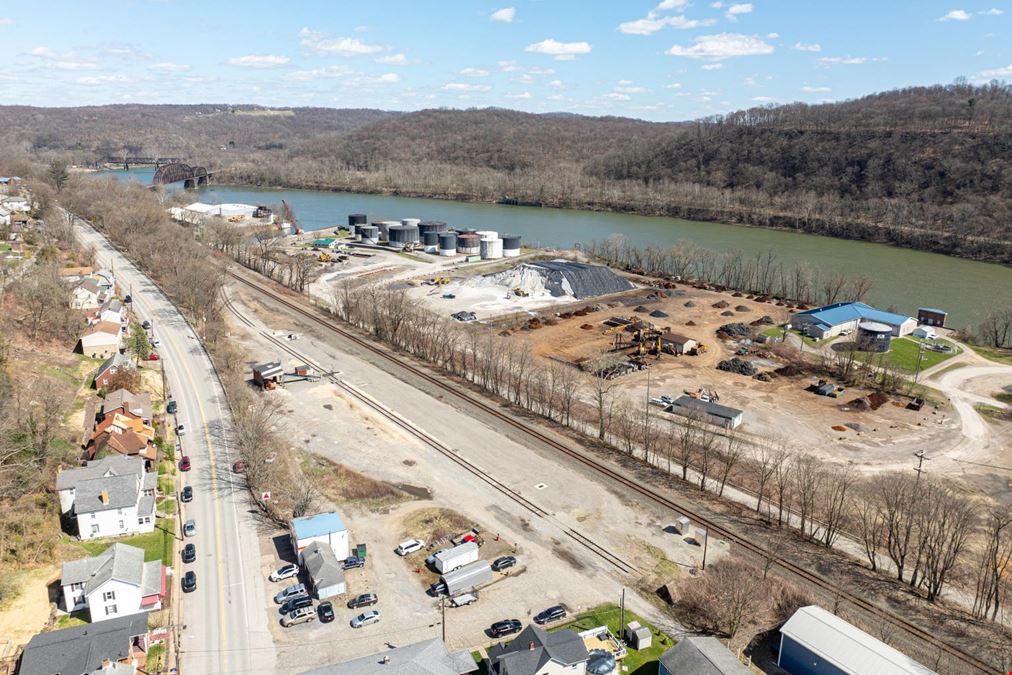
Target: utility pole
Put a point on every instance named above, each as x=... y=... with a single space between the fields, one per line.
x=706 y=541
x=442 y=609
x=920 y=357
x=920 y=464
x=621 y=615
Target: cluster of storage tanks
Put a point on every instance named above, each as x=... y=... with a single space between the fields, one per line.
x=435 y=237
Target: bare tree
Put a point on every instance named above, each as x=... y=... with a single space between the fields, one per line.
x=835 y=502
x=866 y=505
x=994 y=559
x=808 y=481
x=729 y=458
x=783 y=475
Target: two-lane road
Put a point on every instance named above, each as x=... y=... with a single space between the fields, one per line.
x=223 y=623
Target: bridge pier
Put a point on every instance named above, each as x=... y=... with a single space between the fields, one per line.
x=188 y=184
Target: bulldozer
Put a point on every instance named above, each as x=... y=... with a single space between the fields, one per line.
x=521 y=292
x=325 y=257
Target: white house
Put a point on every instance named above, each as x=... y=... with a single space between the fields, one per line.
x=87 y=295
x=5 y=216
x=535 y=651
x=109 y=497
x=101 y=340
x=326 y=528
x=112 y=311
x=925 y=332
x=117 y=582
x=16 y=204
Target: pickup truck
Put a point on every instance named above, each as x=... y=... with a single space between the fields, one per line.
x=463 y=599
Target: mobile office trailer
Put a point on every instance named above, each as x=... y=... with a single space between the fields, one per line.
x=467 y=578
x=456 y=557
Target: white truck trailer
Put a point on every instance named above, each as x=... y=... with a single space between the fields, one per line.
x=458 y=556
x=466 y=578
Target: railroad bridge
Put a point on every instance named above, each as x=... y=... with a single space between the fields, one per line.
x=191 y=176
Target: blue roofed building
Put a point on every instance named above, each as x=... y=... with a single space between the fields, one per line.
x=832 y=320
x=325 y=528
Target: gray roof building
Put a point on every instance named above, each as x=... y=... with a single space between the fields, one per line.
x=113 y=465
x=534 y=648
x=701 y=656
x=324 y=569
x=106 y=493
x=429 y=657
x=138 y=404
x=120 y=562
x=82 y=649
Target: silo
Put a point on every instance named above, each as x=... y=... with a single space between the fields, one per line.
x=511 y=245
x=430 y=241
x=874 y=337
x=370 y=233
x=431 y=226
x=399 y=235
x=468 y=244
x=356 y=219
x=410 y=221
x=490 y=249
x=487 y=234
x=447 y=243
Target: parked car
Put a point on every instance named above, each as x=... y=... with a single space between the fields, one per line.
x=463 y=600
x=503 y=563
x=303 y=615
x=366 y=618
x=154 y=342
x=153 y=357
x=284 y=572
x=189 y=553
x=186 y=495
x=290 y=592
x=325 y=611
x=180 y=429
x=128 y=299
x=297 y=602
x=506 y=627
x=145 y=324
x=171 y=408
x=189 y=582
x=354 y=562
x=184 y=463
x=238 y=466
x=553 y=613
x=409 y=546
x=364 y=600
x=190 y=528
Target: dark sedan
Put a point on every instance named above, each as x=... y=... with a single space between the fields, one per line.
x=551 y=614
x=187 y=494
x=353 y=562
x=325 y=612
x=189 y=553
x=189 y=582
x=503 y=563
x=502 y=628
x=364 y=600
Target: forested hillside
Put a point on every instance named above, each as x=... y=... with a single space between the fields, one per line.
x=926 y=167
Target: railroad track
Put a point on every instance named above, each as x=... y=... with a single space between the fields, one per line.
x=790 y=568
x=536 y=510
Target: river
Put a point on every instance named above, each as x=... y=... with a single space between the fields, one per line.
x=902 y=278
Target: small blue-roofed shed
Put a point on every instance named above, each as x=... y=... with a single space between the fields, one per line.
x=326 y=528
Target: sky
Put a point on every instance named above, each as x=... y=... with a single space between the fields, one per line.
x=663 y=60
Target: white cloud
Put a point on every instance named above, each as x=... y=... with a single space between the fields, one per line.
x=169 y=67
x=525 y=78
x=666 y=5
x=555 y=84
x=848 y=60
x=979 y=52
x=44 y=52
x=319 y=43
x=956 y=15
x=6 y=22
x=627 y=89
x=808 y=89
x=813 y=47
x=994 y=11
x=393 y=60
x=521 y=95
x=652 y=24
x=474 y=72
x=259 y=61
x=465 y=86
x=508 y=66
x=711 y=66
x=772 y=36
x=763 y=99
x=541 y=71
x=102 y=79
x=998 y=72
x=320 y=73
x=74 y=65
x=749 y=82
x=722 y=46
x=385 y=78
x=673 y=85
x=616 y=96
x=562 y=51
x=734 y=11
x=716 y=5
x=504 y=15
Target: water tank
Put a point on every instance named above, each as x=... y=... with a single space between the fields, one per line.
x=487 y=234
x=490 y=249
x=398 y=235
x=874 y=337
x=370 y=233
x=601 y=662
x=467 y=230
x=468 y=244
x=430 y=240
x=432 y=226
x=511 y=245
x=410 y=221
x=447 y=243
x=356 y=219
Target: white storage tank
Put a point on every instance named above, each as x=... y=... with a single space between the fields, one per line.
x=487 y=234
x=411 y=221
x=447 y=243
x=370 y=233
x=511 y=245
x=490 y=249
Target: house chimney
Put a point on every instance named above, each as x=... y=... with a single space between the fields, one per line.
x=530 y=645
x=385 y=660
x=104 y=496
x=106 y=663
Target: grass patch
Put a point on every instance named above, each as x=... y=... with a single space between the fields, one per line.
x=636 y=662
x=166 y=504
x=157 y=545
x=435 y=524
x=993 y=412
x=73 y=619
x=341 y=485
x=482 y=663
x=994 y=354
x=156 y=659
x=903 y=354
x=166 y=485
x=1003 y=396
x=949 y=368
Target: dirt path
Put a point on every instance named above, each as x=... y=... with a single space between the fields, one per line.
x=28 y=614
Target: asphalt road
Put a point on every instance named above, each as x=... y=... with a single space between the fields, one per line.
x=222 y=626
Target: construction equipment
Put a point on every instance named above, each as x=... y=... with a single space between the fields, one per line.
x=703 y=395
x=325 y=257
x=522 y=292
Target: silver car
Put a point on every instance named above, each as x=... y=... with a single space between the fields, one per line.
x=297 y=616
x=366 y=618
x=190 y=528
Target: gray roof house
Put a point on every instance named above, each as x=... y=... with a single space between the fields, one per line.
x=429 y=657
x=113 y=465
x=535 y=651
x=83 y=649
x=325 y=571
x=118 y=563
x=137 y=404
x=108 y=497
x=700 y=656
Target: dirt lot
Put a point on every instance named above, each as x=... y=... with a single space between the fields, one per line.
x=765 y=403
x=29 y=612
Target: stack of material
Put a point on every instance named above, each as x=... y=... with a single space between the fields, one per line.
x=735 y=330
x=581 y=280
x=736 y=365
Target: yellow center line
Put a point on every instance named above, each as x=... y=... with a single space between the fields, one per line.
x=214 y=472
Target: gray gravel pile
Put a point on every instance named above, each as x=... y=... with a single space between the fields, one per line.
x=736 y=365
x=583 y=280
x=736 y=330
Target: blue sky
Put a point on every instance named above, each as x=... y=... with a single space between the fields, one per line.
x=658 y=60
